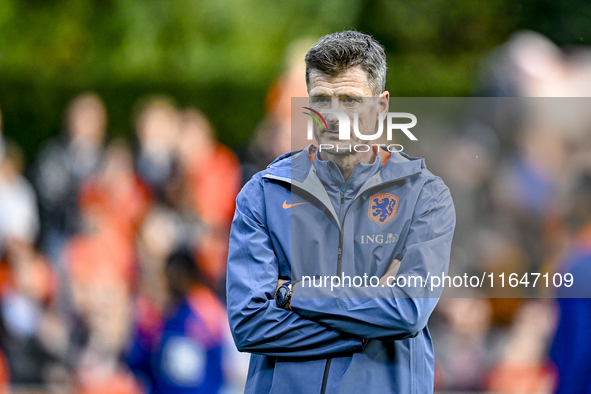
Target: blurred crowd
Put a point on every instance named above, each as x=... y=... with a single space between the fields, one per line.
x=113 y=253
x=518 y=165
x=113 y=258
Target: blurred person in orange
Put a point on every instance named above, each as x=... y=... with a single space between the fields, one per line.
x=464 y=342
x=63 y=164
x=210 y=173
x=187 y=356
x=101 y=269
x=116 y=193
x=4 y=376
x=524 y=367
x=100 y=254
x=157 y=131
x=119 y=384
x=105 y=311
x=273 y=136
x=100 y=272
x=211 y=170
x=113 y=203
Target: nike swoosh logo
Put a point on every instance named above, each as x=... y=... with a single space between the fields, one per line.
x=287 y=206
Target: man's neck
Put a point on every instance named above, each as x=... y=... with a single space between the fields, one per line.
x=347 y=163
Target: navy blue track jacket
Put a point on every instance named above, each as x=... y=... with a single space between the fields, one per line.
x=299 y=218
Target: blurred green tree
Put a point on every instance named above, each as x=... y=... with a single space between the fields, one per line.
x=222 y=55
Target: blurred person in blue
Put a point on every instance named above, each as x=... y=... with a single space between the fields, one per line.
x=187 y=355
x=308 y=214
x=571 y=348
x=63 y=165
x=32 y=337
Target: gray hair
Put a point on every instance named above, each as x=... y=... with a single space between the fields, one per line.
x=338 y=52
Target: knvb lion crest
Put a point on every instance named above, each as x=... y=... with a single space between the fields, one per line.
x=383 y=208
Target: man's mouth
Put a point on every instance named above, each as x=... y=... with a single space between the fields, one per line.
x=331 y=132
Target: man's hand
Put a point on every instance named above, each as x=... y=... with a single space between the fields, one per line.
x=391 y=271
x=279 y=283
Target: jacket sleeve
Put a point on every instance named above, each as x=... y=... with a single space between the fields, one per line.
x=392 y=312
x=257 y=324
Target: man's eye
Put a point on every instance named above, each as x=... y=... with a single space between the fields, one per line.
x=349 y=100
x=321 y=101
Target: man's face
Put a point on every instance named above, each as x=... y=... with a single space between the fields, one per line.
x=349 y=92
x=87 y=122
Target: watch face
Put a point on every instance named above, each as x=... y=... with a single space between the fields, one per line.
x=282 y=296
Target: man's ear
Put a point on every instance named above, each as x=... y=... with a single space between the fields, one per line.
x=384 y=101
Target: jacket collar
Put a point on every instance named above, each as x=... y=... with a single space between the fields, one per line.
x=332 y=178
x=297 y=166
x=296 y=169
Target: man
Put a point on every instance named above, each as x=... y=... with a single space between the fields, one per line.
x=63 y=166
x=186 y=356
x=318 y=213
x=571 y=348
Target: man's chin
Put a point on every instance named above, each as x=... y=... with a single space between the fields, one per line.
x=334 y=148
x=330 y=138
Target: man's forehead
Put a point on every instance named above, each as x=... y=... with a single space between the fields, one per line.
x=352 y=82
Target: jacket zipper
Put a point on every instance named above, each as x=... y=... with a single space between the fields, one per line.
x=325 y=377
x=340 y=250
x=339 y=263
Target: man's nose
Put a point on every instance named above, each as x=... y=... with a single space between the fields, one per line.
x=333 y=118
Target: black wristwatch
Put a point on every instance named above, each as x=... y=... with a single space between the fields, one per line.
x=283 y=295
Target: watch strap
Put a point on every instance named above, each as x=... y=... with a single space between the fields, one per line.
x=289 y=285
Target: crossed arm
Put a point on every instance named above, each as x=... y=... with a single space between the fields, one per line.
x=401 y=312
x=257 y=324
x=332 y=324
